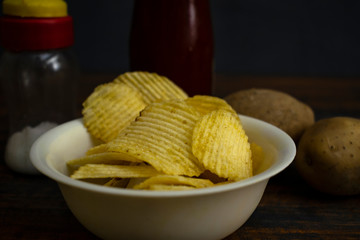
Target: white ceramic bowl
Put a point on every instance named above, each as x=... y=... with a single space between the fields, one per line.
x=111 y=213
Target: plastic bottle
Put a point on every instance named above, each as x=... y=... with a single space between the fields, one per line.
x=38 y=72
x=174 y=39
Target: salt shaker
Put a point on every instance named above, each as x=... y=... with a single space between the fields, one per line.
x=39 y=73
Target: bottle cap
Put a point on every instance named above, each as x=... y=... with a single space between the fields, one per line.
x=30 y=25
x=35 y=8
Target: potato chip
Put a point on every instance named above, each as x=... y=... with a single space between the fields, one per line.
x=152 y=86
x=205 y=104
x=161 y=136
x=97 y=149
x=134 y=181
x=117 y=182
x=220 y=143
x=155 y=137
x=114 y=171
x=110 y=108
x=102 y=158
x=257 y=155
x=170 y=180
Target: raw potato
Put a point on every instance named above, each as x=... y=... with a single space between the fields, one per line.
x=328 y=156
x=275 y=107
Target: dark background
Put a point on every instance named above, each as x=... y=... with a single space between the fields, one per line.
x=255 y=37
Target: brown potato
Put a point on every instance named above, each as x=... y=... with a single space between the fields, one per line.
x=328 y=156
x=275 y=107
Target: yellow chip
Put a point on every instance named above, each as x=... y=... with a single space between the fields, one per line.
x=257 y=155
x=134 y=181
x=205 y=104
x=110 y=108
x=102 y=158
x=113 y=171
x=152 y=86
x=97 y=149
x=117 y=182
x=168 y=180
x=220 y=143
x=161 y=136
x=261 y=162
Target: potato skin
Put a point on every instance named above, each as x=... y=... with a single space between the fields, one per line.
x=275 y=107
x=328 y=156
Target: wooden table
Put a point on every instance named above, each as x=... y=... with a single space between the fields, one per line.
x=32 y=207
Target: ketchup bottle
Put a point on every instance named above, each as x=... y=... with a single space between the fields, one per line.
x=174 y=39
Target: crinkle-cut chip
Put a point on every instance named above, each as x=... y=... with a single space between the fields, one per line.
x=102 y=158
x=220 y=143
x=152 y=86
x=117 y=182
x=205 y=104
x=258 y=156
x=161 y=136
x=101 y=148
x=114 y=171
x=110 y=108
x=171 y=180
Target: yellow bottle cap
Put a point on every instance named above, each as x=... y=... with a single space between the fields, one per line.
x=35 y=8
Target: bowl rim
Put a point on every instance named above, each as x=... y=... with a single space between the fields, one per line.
x=48 y=171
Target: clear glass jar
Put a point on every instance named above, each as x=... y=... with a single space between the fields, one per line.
x=39 y=73
x=41 y=91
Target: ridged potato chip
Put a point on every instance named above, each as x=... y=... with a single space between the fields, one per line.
x=114 y=171
x=102 y=158
x=220 y=143
x=154 y=137
x=152 y=86
x=110 y=108
x=161 y=136
x=97 y=149
x=205 y=104
x=161 y=181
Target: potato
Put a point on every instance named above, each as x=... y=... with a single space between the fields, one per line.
x=328 y=156
x=275 y=107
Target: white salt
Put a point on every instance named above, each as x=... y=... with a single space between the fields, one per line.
x=19 y=144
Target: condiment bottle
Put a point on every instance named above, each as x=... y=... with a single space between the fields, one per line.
x=174 y=38
x=38 y=71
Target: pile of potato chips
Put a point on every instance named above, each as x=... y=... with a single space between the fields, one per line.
x=155 y=137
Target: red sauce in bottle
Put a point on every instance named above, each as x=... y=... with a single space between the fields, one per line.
x=174 y=38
